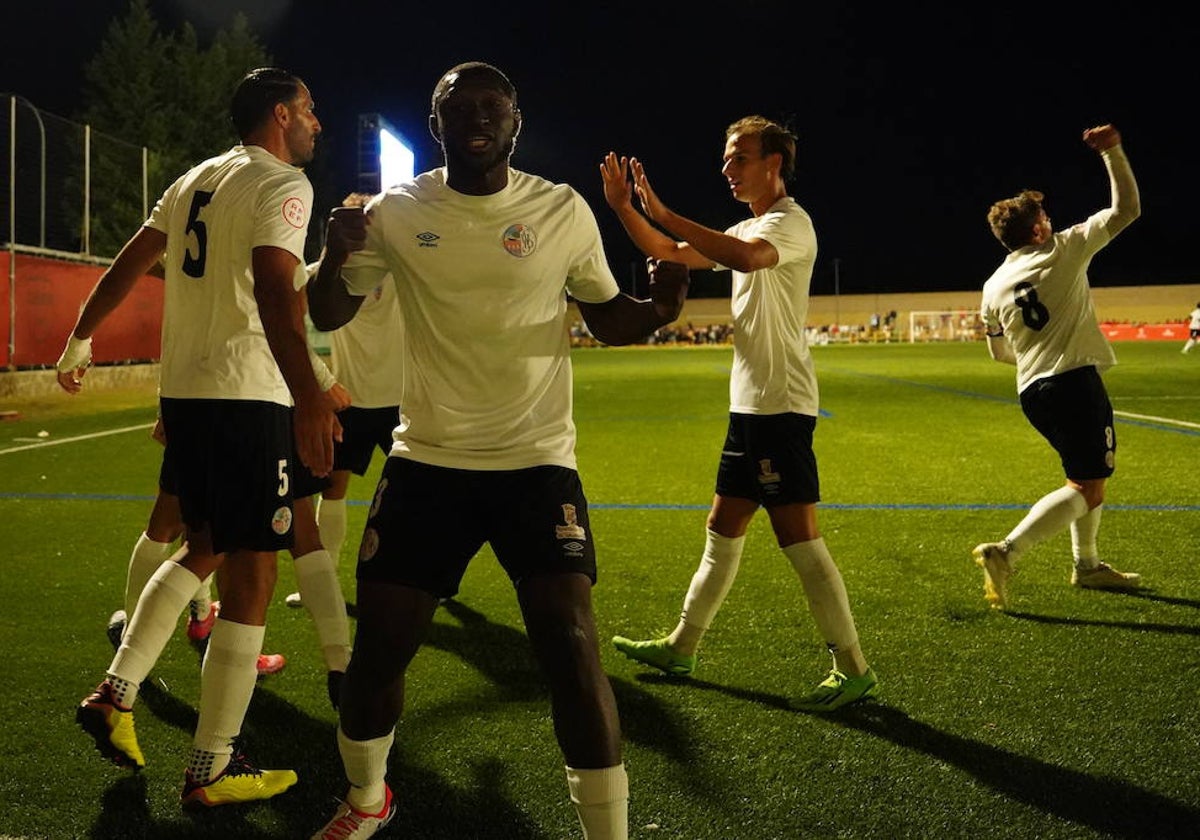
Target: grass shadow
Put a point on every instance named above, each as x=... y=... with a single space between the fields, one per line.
x=1112 y=807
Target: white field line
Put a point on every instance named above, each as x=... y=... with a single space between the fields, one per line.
x=44 y=443
x=1151 y=418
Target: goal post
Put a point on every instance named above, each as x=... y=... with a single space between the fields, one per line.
x=945 y=325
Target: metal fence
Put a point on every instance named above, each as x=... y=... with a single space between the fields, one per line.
x=71 y=191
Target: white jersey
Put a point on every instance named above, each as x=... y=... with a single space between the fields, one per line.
x=367 y=354
x=214 y=216
x=483 y=282
x=772 y=366
x=1040 y=298
x=1194 y=323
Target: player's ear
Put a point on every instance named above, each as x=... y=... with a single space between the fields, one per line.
x=433 y=128
x=516 y=122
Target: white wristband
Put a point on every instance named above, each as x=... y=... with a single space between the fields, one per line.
x=78 y=354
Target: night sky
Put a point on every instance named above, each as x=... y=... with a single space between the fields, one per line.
x=912 y=119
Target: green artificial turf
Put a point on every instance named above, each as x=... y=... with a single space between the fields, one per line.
x=1073 y=715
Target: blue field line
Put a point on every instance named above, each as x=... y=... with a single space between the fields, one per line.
x=122 y=497
x=975 y=395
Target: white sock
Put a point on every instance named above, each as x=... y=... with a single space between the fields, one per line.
x=710 y=584
x=226 y=685
x=365 y=763
x=151 y=625
x=147 y=556
x=321 y=592
x=1083 y=539
x=331 y=524
x=1049 y=515
x=826 y=593
x=601 y=799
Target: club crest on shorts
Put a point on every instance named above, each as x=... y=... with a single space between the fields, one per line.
x=369 y=545
x=281 y=520
x=572 y=530
x=519 y=240
x=766 y=475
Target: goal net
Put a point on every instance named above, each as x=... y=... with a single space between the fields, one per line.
x=945 y=325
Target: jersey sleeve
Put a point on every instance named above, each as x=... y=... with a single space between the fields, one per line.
x=791 y=234
x=589 y=278
x=365 y=269
x=282 y=214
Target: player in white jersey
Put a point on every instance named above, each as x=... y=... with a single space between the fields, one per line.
x=1037 y=309
x=767 y=460
x=483 y=258
x=231 y=233
x=1193 y=330
x=367 y=358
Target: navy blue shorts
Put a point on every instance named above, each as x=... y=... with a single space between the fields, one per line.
x=229 y=462
x=1072 y=411
x=363 y=431
x=769 y=459
x=426 y=523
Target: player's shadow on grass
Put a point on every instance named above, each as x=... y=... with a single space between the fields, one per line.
x=499 y=652
x=1141 y=626
x=1112 y=807
x=503 y=655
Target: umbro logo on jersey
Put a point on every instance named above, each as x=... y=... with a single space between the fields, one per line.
x=428 y=239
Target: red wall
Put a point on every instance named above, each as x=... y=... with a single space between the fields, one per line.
x=49 y=294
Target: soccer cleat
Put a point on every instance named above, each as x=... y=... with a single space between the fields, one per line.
x=111 y=726
x=240 y=781
x=116 y=628
x=997 y=569
x=1105 y=576
x=348 y=823
x=656 y=653
x=270 y=663
x=294 y=601
x=333 y=684
x=838 y=690
x=199 y=629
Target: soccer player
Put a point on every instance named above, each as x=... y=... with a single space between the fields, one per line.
x=231 y=232
x=367 y=357
x=767 y=460
x=487 y=255
x=1037 y=309
x=155 y=546
x=1193 y=330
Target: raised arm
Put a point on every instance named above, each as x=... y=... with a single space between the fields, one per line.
x=136 y=259
x=624 y=319
x=329 y=303
x=618 y=192
x=1126 y=202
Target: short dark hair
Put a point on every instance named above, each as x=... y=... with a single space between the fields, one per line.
x=774 y=138
x=1012 y=219
x=257 y=94
x=472 y=68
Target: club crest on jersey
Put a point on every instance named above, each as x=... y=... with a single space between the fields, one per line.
x=281 y=521
x=519 y=240
x=369 y=545
x=765 y=474
x=572 y=530
x=294 y=213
